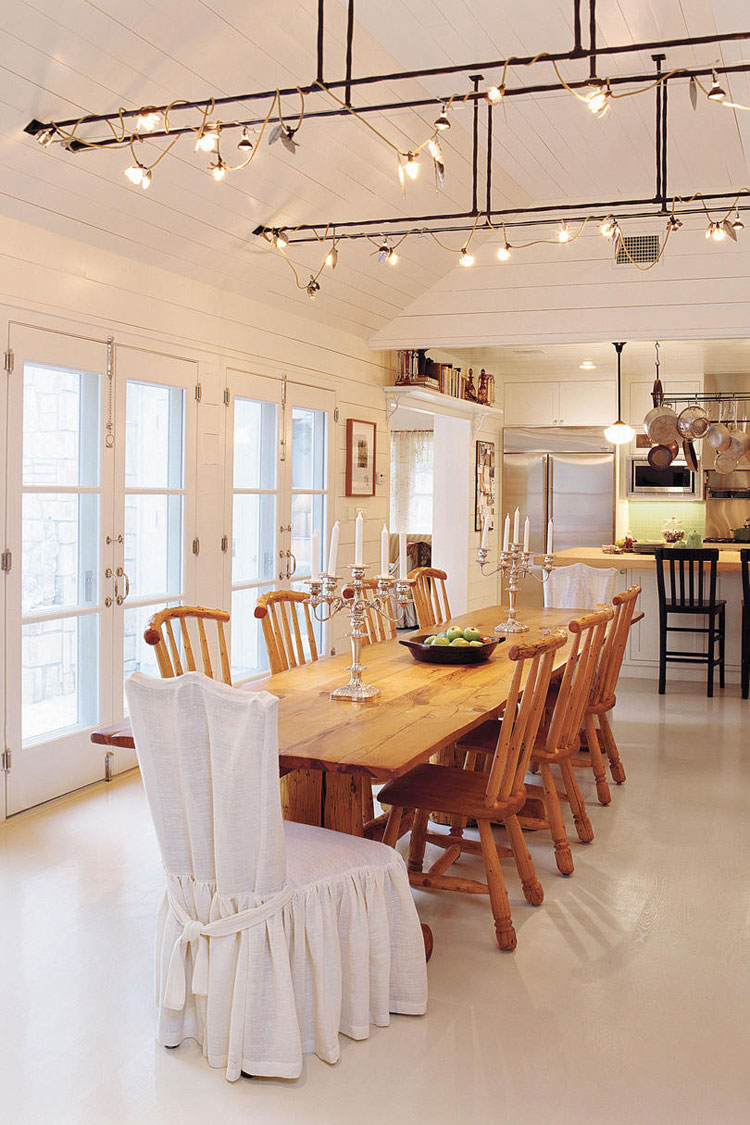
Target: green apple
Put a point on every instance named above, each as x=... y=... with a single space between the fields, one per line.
x=472 y=633
x=454 y=632
x=440 y=641
x=476 y=644
x=459 y=642
x=429 y=640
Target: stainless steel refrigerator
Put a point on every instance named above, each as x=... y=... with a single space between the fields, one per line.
x=565 y=474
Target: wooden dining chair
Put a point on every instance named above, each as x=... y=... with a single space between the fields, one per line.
x=379 y=628
x=161 y=634
x=280 y=612
x=430 y=596
x=558 y=740
x=496 y=796
x=596 y=725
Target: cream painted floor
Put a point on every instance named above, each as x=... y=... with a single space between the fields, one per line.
x=627 y=1000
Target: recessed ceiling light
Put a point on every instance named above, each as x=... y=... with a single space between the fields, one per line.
x=587 y=365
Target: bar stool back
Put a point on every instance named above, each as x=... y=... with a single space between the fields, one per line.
x=745 y=560
x=686 y=584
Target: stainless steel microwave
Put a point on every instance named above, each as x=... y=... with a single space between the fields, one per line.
x=678 y=482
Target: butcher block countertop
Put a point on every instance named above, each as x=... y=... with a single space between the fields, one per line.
x=729 y=561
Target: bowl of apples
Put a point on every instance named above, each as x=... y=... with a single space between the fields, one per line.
x=453 y=646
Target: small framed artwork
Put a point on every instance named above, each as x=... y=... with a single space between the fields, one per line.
x=360 y=457
x=484 y=504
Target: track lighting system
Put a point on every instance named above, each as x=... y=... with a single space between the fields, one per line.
x=141 y=130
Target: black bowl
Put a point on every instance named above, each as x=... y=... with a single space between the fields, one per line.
x=447 y=654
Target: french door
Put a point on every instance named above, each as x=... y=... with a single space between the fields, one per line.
x=279 y=463
x=97 y=523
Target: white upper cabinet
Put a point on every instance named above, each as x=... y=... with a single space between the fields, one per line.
x=580 y=402
x=640 y=401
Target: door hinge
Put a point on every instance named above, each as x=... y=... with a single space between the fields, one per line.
x=6 y=561
x=336 y=414
x=198 y=392
x=225 y=543
x=5 y=761
x=226 y=396
x=9 y=361
x=196 y=546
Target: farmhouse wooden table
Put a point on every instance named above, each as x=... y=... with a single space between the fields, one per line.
x=423 y=708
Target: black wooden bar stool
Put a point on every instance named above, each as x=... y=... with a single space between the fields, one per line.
x=686 y=582
x=745 y=559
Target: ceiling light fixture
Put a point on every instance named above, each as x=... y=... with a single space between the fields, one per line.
x=245 y=144
x=598 y=100
x=716 y=93
x=392 y=258
x=673 y=223
x=148 y=119
x=412 y=166
x=495 y=93
x=442 y=121
x=587 y=365
x=619 y=432
x=503 y=253
x=332 y=258
x=218 y=169
x=607 y=226
x=738 y=224
x=135 y=173
x=46 y=137
x=279 y=239
x=146 y=179
x=312 y=288
x=563 y=234
x=207 y=139
x=465 y=258
x=716 y=231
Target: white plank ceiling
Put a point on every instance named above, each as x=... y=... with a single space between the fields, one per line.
x=80 y=56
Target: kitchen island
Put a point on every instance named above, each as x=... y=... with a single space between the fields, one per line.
x=642 y=655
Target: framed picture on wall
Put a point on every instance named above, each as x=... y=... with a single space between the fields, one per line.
x=484 y=503
x=360 y=457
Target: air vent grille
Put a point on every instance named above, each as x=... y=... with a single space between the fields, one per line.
x=638 y=248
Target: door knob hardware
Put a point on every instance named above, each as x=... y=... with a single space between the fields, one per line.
x=110 y=540
x=108 y=572
x=120 y=598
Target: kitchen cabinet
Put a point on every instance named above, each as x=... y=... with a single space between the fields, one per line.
x=640 y=401
x=580 y=402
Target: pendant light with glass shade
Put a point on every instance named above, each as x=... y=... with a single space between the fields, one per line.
x=619 y=432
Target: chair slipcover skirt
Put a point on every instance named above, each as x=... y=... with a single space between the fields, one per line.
x=272 y=938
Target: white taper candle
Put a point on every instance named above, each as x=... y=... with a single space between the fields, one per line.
x=549 y=537
x=485 y=531
x=359 y=538
x=315 y=557
x=516 y=520
x=334 y=548
x=506 y=533
x=526 y=536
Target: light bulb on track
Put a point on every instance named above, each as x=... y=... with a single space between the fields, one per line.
x=598 y=101
x=716 y=93
x=218 y=170
x=412 y=166
x=442 y=121
x=207 y=139
x=148 y=120
x=135 y=173
x=465 y=258
x=495 y=94
x=563 y=234
x=392 y=258
x=503 y=253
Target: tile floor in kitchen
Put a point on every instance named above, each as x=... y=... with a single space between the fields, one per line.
x=627 y=1000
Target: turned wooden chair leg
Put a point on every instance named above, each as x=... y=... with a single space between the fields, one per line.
x=390 y=836
x=615 y=765
x=506 y=935
x=418 y=840
x=533 y=891
x=368 y=805
x=563 y=856
x=577 y=804
x=597 y=761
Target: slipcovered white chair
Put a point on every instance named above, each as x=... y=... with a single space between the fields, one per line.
x=272 y=937
x=579 y=587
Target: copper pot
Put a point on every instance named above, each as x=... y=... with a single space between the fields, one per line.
x=661 y=456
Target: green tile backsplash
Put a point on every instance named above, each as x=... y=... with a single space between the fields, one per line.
x=646 y=518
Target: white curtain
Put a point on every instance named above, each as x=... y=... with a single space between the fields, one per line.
x=411 y=481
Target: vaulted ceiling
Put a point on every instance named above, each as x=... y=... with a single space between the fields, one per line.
x=80 y=56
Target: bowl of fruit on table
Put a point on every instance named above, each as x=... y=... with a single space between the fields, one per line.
x=453 y=646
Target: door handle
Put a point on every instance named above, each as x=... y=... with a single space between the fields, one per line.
x=120 y=598
x=290 y=555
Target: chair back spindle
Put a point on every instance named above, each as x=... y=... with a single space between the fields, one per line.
x=430 y=596
x=160 y=633
x=686 y=578
x=379 y=628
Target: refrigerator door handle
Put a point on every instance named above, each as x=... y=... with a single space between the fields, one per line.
x=548 y=495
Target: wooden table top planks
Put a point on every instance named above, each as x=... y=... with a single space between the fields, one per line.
x=421 y=709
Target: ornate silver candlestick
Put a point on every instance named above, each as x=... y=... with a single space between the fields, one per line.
x=357 y=598
x=514 y=564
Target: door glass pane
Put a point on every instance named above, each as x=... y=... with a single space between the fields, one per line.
x=308 y=515
x=254 y=444
x=60 y=533
x=254 y=516
x=153 y=544
x=249 y=654
x=308 y=448
x=60 y=675
x=154 y=436
x=60 y=427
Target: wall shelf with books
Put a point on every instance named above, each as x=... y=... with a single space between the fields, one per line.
x=431 y=401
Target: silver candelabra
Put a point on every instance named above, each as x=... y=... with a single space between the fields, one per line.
x=357 y=598
x=514 y=564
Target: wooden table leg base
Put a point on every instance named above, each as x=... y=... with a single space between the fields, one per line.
x=429 y=941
